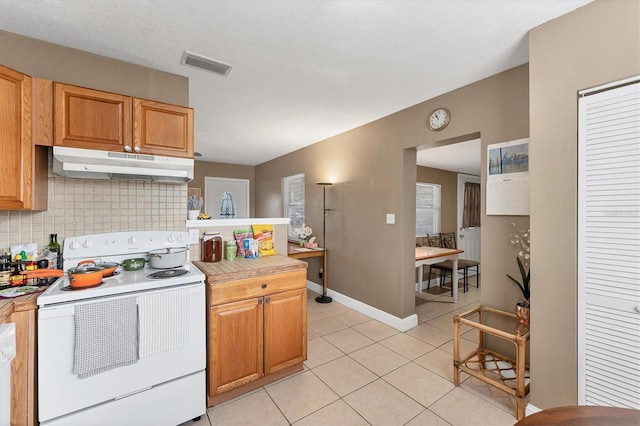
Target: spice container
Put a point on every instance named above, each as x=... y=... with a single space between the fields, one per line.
x=230 y=249
x=211 y=247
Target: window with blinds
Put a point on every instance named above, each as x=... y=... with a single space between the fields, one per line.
x=427 y=209
x=609 y=245
x=293 y=196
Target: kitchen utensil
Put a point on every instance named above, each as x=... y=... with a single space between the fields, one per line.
x=170 y=257
x=133 y=264
x=108 y=268
x=43 y=263
x=85 y=276
x=42 y=273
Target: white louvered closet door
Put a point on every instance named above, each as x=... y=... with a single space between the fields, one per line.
x=609 y=245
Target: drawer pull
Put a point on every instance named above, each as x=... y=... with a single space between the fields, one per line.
x=264 y=285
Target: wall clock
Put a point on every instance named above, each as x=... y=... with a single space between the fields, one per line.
x=439 y=119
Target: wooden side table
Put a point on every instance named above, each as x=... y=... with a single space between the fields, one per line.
x=295 y=251
x=507 y=374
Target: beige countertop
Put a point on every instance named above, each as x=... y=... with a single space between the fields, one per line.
x=17 y=304
x=241 y=268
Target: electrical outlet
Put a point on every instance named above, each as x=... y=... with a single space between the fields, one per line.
x=391 y=218
x=194 y=236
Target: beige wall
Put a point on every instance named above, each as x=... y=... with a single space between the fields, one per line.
x=448 y=182
x=597 y=44
x=235 y=171
x=58 y=63
x=374 y=170
x=82 y=206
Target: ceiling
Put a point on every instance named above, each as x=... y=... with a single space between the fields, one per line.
x=462 y=157
x=302 y=71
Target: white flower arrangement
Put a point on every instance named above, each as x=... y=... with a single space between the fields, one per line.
x=303 y=232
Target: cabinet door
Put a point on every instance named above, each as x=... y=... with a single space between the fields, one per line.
x=162 y=129
x=235 y=344
x=16 y=151
x=92 y=119
x=23 y=369
x=285 y=330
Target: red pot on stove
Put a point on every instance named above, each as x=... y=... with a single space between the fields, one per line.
x=108 y=268
x=85 y=276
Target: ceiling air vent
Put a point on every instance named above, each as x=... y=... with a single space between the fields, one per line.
x=205 y=63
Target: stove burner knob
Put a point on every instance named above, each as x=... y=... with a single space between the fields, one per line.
x=180 y=238
x=132 y=240
x=170 y=238
x=74 y=245
x=88 y=244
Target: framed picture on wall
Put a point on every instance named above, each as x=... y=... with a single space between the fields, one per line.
x=226 y=198
x=196 y=192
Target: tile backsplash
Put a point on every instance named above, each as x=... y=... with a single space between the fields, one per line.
x=85 y=206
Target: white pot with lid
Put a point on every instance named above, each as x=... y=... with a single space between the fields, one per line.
x=166 y=258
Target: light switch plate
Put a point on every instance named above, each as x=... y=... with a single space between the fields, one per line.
x=194 y=236
x=391 y=218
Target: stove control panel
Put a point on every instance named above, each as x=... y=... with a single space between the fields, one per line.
x=121 y=243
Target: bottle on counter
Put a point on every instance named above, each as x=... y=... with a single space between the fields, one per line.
x=54 y=252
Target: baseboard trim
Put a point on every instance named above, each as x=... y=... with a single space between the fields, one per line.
x=531 y=409
x=401 y=324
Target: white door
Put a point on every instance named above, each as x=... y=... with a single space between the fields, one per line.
x=609 y=246
x=468 y=238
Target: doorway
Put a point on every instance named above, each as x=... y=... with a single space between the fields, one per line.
x=451 y=164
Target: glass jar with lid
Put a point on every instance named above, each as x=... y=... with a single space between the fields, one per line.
x=211 y=247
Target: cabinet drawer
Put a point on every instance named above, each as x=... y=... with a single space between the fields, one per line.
x=231 y=291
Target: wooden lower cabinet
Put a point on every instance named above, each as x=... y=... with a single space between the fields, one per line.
x=255 y=341
x=23 y=381
x=235 y=336
x=285 y=330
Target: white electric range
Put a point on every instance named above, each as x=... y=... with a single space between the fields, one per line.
x=161 y=379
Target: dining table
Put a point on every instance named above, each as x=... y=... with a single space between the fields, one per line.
x=426 y=255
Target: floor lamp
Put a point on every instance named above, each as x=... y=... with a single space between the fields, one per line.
x=324 y=298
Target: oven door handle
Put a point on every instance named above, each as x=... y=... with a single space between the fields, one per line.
x=55 y=312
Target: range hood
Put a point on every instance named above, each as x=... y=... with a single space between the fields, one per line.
x=94 y=164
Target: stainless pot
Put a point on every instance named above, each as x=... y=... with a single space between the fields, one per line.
x=170 y=257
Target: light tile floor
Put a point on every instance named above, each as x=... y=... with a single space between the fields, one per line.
x=361 y=372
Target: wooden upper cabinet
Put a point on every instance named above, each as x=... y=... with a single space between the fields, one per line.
x=92 y=119
x=24 y=169
x=162 y=129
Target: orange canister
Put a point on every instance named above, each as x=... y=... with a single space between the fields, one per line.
x=211 y=247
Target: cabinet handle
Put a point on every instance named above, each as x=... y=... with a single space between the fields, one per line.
x=127 y=148
x=260 y=301
x=137 y=149
x=264 y=286
x=268 y=300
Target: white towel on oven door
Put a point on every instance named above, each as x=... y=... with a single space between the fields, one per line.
x=105 y=336
x=163 y=319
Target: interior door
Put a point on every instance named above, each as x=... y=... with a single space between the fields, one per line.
x=468 y=238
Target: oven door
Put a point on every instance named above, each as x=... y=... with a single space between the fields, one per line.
x=61 y=392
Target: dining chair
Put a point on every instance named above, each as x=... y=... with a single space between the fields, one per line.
x=449 y=241
x=435 y=240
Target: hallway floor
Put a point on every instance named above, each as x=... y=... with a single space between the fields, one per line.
x=360 y=371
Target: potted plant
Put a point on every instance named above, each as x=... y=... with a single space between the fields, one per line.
x=520 y=239
x=194 y=204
